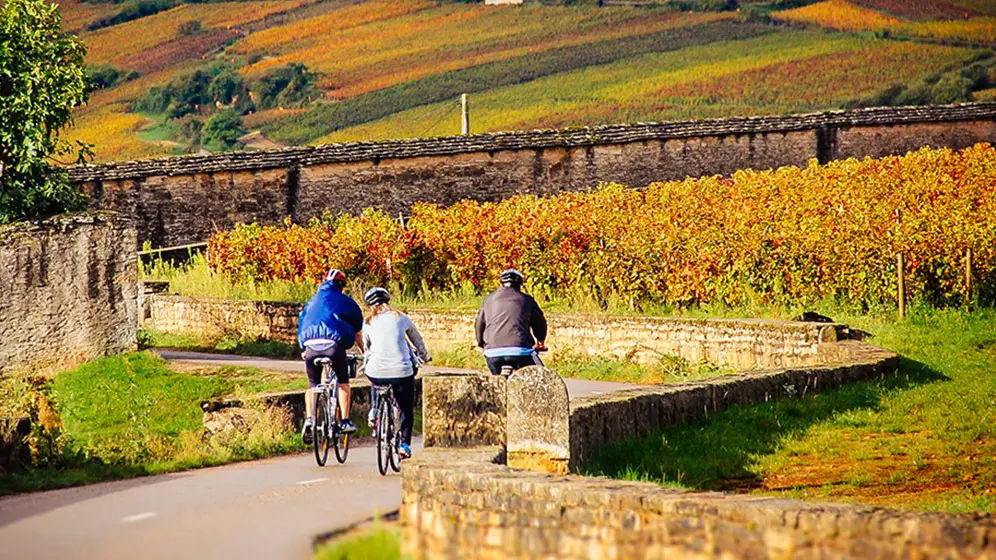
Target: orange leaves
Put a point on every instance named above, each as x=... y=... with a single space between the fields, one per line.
x=791 y=235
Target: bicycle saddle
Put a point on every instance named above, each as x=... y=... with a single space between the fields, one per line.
x=323 y=360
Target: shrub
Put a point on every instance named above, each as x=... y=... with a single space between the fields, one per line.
x=192 y=27
x=222 y=130
x=794 y=235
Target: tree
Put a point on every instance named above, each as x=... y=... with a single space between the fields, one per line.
x=42 y=77
x=222 y=130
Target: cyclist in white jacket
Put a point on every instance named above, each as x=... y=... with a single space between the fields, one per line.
x=389 y=337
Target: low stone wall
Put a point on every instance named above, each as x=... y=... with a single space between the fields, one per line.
x=68 y=291
x=463 y=503
x=463 y=498
x=740 y=343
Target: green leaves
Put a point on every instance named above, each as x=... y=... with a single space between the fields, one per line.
x=42 y=77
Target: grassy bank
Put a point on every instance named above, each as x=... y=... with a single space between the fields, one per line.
x=923 y=439
x=131 y=415
x=378 y=543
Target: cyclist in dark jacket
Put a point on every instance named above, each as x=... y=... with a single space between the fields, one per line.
x=329 y=324
x=510 y=326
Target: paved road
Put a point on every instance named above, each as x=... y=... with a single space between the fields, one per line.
x=262 y=509
x=575 y=387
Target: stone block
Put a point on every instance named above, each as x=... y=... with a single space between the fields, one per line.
x=463 y=410
x=538 y=431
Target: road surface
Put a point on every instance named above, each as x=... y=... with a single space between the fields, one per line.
x=271 y=508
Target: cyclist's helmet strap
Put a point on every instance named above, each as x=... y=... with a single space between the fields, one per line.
x=376 y=296
x=511 y=277
x=337 y=277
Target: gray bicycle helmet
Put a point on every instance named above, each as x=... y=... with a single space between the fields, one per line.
x=511 y=278
x=376 y=296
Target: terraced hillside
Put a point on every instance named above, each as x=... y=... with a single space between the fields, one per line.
x=183 y=77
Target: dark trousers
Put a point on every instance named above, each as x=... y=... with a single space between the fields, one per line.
x=404 y=393
x=517 y=362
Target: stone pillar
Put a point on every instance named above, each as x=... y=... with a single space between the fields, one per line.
x=538 y=421
x=463 y=410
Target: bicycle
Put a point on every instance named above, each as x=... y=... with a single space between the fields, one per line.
x=327 y=393
x=509 y=370
x=388 y=432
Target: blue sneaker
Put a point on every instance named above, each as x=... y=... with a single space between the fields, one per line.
x=404 y=451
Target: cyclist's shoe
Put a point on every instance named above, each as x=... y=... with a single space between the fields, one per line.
x=308 y=431
x=404 y=451
x=346 y=426
x=372 y=417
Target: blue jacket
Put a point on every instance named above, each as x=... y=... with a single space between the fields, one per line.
x=330 y=314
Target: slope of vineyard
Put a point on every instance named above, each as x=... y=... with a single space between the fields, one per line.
x=767 y=75
x=394 y=68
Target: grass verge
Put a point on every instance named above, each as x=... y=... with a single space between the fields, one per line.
x=131 y=415
x=148 y=338
x=379 y=543
x=923 y=439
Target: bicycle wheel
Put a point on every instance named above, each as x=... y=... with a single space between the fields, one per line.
x=321 y=429
x=395 y=431
x=340 y=441
x=383 y=436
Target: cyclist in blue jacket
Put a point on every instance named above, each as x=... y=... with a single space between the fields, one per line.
x=329 y=324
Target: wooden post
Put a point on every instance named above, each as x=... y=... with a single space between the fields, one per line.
x=902 y=286
x=968 y=275
x=464 y=115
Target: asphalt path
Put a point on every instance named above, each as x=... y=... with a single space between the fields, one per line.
x=575 y=387
x=272 y=508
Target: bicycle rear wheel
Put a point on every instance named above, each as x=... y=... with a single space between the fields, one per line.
x=321 y=429
x=383 y=436
x=395 y=432
x=340 y=441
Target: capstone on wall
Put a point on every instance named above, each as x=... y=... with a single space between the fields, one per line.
x=68 y=291
x=185 y=199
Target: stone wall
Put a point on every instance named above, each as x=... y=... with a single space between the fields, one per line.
x=184 y=199
x=68 y=291
x=740 y=343
x=466 y=502
x=463 y=503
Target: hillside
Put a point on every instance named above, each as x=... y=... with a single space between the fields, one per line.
x=174 y=78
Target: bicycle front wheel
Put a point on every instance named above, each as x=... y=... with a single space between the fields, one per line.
x=383 y=436
x=340 y=441
x=321 y=429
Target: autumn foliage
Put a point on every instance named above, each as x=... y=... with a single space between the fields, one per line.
x=785 y=236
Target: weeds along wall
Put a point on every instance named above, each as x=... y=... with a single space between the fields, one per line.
x=68 y=291
x=185 y=199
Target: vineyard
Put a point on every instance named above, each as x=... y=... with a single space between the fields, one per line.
x=786 y=236
x=846 y=16
x=775 y=74
x=388 y=69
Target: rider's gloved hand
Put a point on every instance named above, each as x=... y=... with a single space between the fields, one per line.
x=540 y=347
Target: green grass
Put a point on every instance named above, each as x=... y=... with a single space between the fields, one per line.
x=131 y=415
x=923 y=439
x=379 y=543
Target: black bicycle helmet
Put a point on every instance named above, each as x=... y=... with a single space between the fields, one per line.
x=511 y=278
x=376 y=296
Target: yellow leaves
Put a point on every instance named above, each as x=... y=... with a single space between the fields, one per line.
x=838 y=14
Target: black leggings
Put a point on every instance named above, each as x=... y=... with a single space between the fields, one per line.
x=517 y=362
x=404 y=393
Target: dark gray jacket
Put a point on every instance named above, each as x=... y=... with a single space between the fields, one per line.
x=505 y=319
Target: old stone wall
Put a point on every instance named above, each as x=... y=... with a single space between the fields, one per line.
x=466 y=502
x=463 y=503
x=68 y=291
x=740 y=344
x=184 y=199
